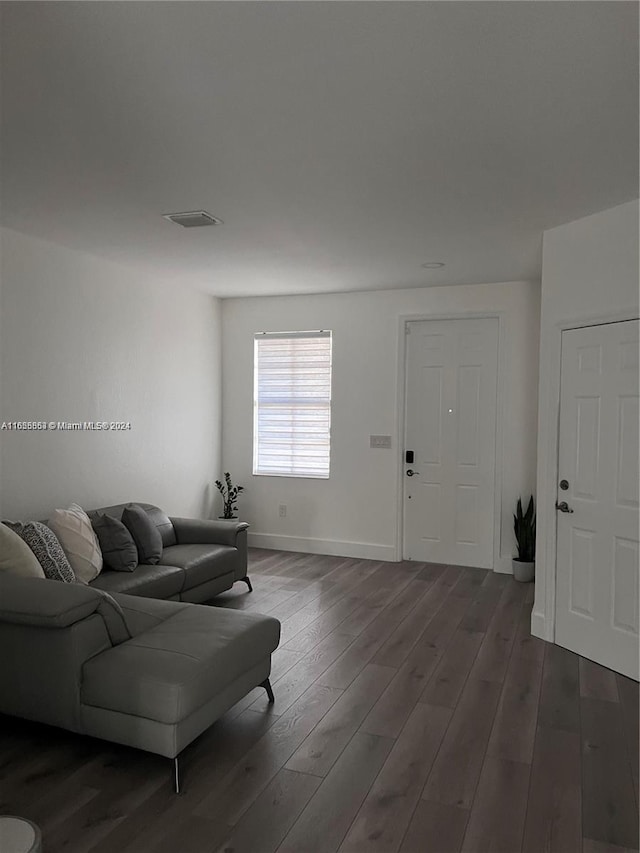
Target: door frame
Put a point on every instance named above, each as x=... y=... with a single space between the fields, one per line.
x=501 y=565
x=543 y=624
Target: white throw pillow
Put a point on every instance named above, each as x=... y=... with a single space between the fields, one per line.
x=73 y=528
x=16 y=557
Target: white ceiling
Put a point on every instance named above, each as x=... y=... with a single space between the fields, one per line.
x=343 y=144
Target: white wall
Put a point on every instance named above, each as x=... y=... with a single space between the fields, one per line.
x=589 y=275
x=354 y=513
x=82 y=339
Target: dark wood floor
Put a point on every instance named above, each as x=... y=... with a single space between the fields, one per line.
x=414 y=712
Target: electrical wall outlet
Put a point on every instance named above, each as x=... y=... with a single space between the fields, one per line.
x=383 y=441
x=282 y=510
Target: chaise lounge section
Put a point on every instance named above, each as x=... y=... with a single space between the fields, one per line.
x=146 y=673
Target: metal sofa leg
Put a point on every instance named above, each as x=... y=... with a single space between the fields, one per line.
x=248 y=582
x=176 y=775
x=267 y=686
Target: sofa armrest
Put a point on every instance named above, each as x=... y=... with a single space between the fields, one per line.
x=52 y=604
x=42 y=602
x=196 y=531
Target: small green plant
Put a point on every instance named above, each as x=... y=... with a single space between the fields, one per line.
x=229 y=494
x=524 y=525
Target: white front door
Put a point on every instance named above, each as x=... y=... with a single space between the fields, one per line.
x=450 y=427
x=597 y=496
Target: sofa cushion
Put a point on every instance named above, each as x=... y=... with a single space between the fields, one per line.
x=144 y=613
x=152 y=581
x=174 y=668
x=48 y=551
x=145 y=534
x=201 y=563
x=79 y=542
x=16 y=557
x=119 y=551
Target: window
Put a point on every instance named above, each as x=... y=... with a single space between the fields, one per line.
x=292 y=404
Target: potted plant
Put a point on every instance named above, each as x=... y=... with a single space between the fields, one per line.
x=230 y=495
x=524 y=525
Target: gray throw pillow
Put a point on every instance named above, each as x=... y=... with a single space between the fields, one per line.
x=119 y=551
x=48 y=550
x=145 y=534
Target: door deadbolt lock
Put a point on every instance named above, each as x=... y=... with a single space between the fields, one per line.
x=564 y=485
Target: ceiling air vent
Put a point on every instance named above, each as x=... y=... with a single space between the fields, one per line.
x=193 y=218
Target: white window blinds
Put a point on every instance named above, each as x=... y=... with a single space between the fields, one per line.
x=292 y=404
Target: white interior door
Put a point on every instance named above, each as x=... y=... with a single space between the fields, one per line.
x=450 y=426
x=597 y=544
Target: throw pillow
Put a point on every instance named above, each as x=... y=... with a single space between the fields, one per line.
x=145 y=534
x=44 y=544
x=75 y=533
x=119 y=551
x=16 y=557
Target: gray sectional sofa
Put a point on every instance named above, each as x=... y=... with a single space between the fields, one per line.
x=114 y=661
x=141 y=672
x=200 y=559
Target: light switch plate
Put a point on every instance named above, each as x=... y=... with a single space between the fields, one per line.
x=380 y=441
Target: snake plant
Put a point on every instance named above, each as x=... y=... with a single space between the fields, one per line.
x=524 y=525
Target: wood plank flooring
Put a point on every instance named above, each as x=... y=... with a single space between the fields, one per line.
x=414 y=712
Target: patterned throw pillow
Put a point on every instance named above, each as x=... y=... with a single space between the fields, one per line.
x=44 y=544
x=76 y=535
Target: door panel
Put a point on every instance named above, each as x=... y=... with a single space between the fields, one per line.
x=469 y=381
x=450 y=417
x=431 y=411
x=590 y=359
x=431 y=501
x=625 y=585
x=466 y=532
x=581 y=568
x=627 y=481
x=587 y=446
x=597 y=544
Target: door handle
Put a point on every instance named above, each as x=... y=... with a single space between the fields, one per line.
x=563 y=506
x=411 y=473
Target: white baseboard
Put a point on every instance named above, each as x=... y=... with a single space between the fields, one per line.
x=539 y=627
x=503 y=566
x=330 y=547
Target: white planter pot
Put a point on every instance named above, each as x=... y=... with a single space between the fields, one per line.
x=523 y=572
